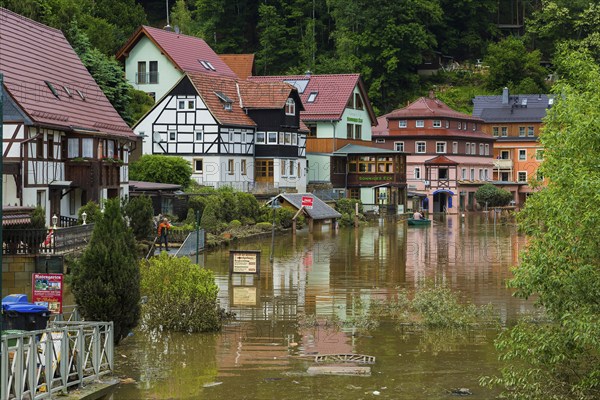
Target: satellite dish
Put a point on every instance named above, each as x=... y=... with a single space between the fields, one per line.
x=156 y=137
x=177 y=29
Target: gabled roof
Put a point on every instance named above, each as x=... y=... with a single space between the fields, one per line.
x=35 y=59
x=216 y=91
x=518 y=108
x=320 y=209
x=358 y=149
x=425 y=107
x=332 y=94
x=241 y=64
x=185 y=52
x=267 y=95
x=440 y=160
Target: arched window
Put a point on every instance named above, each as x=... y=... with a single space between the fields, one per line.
x=290 y=107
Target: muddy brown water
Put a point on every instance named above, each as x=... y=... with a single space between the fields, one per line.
x=266 y=352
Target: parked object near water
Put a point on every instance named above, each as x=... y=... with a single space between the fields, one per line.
x=418 y=222
x=20 y=314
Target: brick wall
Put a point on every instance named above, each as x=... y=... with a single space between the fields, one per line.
x=16 y=274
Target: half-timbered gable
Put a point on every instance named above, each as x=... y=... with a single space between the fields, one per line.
x=64 y=143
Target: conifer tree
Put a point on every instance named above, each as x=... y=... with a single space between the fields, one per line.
x=106 y=280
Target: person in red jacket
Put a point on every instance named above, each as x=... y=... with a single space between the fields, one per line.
x=163 y=232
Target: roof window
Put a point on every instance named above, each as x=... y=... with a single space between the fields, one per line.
x=80 y=93
x=52 y=89
x=225 y=100
x=67 y=91
x=312 y=97
x=207 y=65
x=300 y=84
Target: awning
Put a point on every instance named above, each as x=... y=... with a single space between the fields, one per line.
x=60 y=184
x=450 y=192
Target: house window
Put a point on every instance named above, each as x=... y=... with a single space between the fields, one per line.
x=440 y=147
x=379 y=140
x=480 y=149
x=294 y=139
x=467 y=148
x=504 y=131
x=87 y=147
x=459 y=125
x=437 y=123
x=530 y=131
x=505 y=155
x=153 y=75
x=399 y=146
x=230 y=136
x=230 y=166
x=288 y=138
x=290 y=107
x=443 y=174
x=366 y=164
x=312 y=131
x=291 y=165
x=472 y=173
x=474 y=126
x=454 y=147
x=191 y=104
x=486 y=175
x=142 y=77
x=463 y=174
x=522 y=176
x=358 y=103
x=487 y=149
x=420 y=147
x=402 y=123
x=263 y=168
x=357 y=131
x=354 y=193
x=243 y=136
x=417 y=172
x=495 y=131
x=420 y=123
x=243 y=167
x=281 y=138
x=110 y=148
x=539 y=154
x=521 y=131
x=73 y=148
x=522 y=154
x=473 y=148
x=51 y=147
x=447 y=124
x=172 y=136
x=181 y=105
x=39 y=146
x=385 y=164
x=260 y=138
x=272 y=137
x=198 y=136
x=465 y=126
x=349 y=131
x=198 y=165
x=282 y=168
x=480 y=174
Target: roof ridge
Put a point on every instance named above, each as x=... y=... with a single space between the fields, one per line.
x=19 y=16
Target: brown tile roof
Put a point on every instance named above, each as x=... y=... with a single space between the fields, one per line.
x=32 y=54
x=184 y=51
x=241 y=64
x=425 y=107
x=332 y=94
x=210 y=88
x=441 y=160
x=266 y=95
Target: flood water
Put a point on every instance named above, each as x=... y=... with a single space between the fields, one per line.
x=266 y=352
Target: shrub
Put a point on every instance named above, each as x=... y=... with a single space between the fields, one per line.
x=210 y=221
x=92 y=211
x=106 y=279
x=347 y=207
x=163 y=169
x=180 y=295
x=283 y=217
x=264 y=226
x=235 y=224
x=140 y=213
x=493 y=196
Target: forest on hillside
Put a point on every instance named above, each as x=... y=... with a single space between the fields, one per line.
x=383 y=40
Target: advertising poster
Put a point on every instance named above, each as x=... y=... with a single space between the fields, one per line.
x=48 y=291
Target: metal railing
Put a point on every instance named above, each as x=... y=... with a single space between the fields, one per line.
x=42 y=241
x=38 y=364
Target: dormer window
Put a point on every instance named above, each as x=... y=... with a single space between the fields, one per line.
x=290 y=107
x=225 y=100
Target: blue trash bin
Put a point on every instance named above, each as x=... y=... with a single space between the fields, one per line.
x=18 y=313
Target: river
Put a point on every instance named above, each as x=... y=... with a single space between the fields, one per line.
x=293 y=312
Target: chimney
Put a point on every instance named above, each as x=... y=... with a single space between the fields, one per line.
x=505 y=95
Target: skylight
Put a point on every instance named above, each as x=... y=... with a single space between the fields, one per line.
x=52 y=89
x=223 y=97
x=80 y=93
x=312 y=97
x=204 y=64
x=67 y=91
x=210 y=65
x=300 y=84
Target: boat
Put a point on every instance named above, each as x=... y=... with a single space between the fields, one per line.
x=419 y=222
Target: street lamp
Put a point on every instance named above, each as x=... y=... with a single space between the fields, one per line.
x=274 y=205
x=84 y=217
x=54 y=221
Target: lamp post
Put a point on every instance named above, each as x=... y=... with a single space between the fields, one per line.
x=274 y=205
x=54 y=221
x=84 y=217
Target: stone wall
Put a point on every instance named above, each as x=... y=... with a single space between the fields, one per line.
x=16 y=274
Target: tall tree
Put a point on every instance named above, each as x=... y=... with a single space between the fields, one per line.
x=181 y=17
x=106 y=280
x=273 y=41
x=558 y=357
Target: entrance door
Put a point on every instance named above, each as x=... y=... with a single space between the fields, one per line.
x=263 y=171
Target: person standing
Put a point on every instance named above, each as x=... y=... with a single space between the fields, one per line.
x=163 y=232
x=417 y=215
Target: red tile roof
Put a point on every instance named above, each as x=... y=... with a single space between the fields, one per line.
x=266 y=95
x=32 y=54
x=441 y=160
x=241 y=64
x=332 y=94
x=185 y=52
x=426 y=107
x=208 y=86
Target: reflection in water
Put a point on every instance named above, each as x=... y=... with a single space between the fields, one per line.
x=263 y=354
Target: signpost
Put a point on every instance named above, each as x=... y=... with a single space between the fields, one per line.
x=244 y=262
x=307 y=202
x=48 y=291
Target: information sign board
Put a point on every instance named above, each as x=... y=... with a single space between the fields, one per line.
x=47 y=290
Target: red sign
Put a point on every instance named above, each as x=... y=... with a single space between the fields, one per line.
x=307 y=202
x=48 y=291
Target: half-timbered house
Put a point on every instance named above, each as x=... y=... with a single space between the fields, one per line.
x=63 y=142
x=233 y=133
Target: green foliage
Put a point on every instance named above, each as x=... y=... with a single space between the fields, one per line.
x=560 y=358
x=235 y=224
x=210 y=221
x=181 y=296
x=140 y=103
x=493 y=196
x=265 y=226
x=92 y=210
x=106 y=278
x=140 y=212
x=38 y=218
x=161 y=169
x=283 y=217
x=510 y=64
x=347 y=208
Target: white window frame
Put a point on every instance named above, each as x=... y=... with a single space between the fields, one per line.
x=417 y=147
x=495 y=131
x=291 y=167
x=402 y=123
x=437 y=123
x=196 y=170
x=264 y=137
x=72 y=147
x=473 y=148
x=294 y=139
x=481 y=149
x=379 y=140
x=87 y=147
x=230 y=166
x=181 y=104
x=420 y=123
x=399 y=146
x=522 y=132
x=290 y=106
x=530 y=131
x=269 y=134
x=417 y=173
x=472 y=174
x=486 y=174
x=487 y=149
x=519 y=176
x=198 y=132
x=447 y=124
x=440 y=147
x=468 y=148
x=288 y=138
x=230 y=136
x=480 y=174
x=459 y=125
x=243 y=166
x=522 y=154
x=504 y=131
x=463 y=174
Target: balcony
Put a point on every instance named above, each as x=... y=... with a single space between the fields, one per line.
x=142 y=78
x=89 y=173
x=503 y=164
